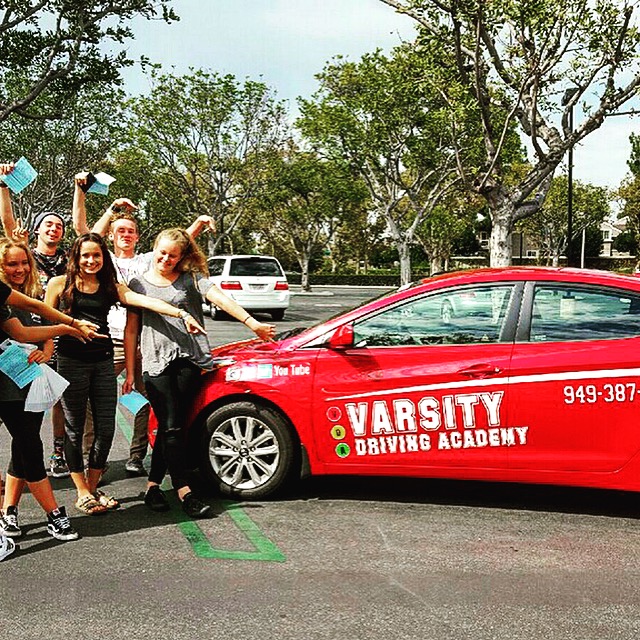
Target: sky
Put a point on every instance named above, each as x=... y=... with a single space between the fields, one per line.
x=285 y=43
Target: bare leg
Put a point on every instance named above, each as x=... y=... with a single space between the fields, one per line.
x=43 y=493
x=13 y=491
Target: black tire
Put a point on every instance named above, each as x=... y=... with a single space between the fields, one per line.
x=277 y=314
x=218 y=314
x=235 y=467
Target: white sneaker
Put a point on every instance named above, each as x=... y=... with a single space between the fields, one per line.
x=9 y=523
x=7 y=547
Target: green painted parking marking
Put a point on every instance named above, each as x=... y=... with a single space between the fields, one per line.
x=265 y=550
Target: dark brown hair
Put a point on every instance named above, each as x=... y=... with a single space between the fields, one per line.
x=106 y=276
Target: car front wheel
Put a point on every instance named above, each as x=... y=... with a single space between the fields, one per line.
x=248 y=450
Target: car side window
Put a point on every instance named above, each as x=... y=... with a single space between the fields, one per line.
x=562 y=313
x=215 y=267
x=467 y=315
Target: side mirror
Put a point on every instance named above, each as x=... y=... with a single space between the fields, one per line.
x=342 y=338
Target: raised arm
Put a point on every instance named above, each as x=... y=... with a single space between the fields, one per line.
x=79 y=211
x=200 y=224
x=101 y=227
x=133 y=299
x=6 y=210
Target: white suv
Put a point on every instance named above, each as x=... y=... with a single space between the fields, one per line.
x=256 y=283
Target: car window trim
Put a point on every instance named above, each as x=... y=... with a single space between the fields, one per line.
x=523 y=332
x=506 y=336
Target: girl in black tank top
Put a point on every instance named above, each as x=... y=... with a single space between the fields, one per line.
x=88 y=290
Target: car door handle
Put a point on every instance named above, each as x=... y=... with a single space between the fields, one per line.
x=480 y=371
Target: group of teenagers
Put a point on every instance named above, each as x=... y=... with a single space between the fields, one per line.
x=94 y=313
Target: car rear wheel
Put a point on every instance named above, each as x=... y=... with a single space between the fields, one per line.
x=248 y=450
x=277 y=314
x=218 y=314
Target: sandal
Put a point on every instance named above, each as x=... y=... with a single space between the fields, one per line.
x=89 y=505
x=108 y=502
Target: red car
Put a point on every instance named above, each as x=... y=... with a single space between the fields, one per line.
x=515 y=374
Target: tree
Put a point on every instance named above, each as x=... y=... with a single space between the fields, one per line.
x=58 y=149
x=303 y=203
x=629 y=194
x=533 y=60
x=548 y=226
x=204 y=138
x=62 y=47
x=383 y=117
x=447 y=224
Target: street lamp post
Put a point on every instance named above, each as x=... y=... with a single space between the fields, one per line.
x=566 y=99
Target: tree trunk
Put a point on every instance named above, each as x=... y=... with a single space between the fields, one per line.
x=404 y=253
x=436 y=265
x=500 y=241
x=304 y=281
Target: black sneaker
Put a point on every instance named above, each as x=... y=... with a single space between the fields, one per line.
x=58 y=466
x=9 y=523
x=193 y=507
x=155 y=499
x=59 y=525
x=134 y=467
x=7 y=547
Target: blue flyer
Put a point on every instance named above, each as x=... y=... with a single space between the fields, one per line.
x=22 y=176
x=14 y=364
x=133 y=401
x=101 y=184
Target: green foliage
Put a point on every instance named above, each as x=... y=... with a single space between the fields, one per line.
x=62 y=46
x=386 y=117
x=512 y=63
x=303 y=202
x=548 y=227
x=626 y=242
x=203 y=137
x=58 y=149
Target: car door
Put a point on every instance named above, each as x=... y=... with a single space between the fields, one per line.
x=424 y=383
x=576 y=378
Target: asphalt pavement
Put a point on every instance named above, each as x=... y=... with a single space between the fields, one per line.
x=336 y=558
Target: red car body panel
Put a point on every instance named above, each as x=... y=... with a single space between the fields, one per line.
x=507 y=411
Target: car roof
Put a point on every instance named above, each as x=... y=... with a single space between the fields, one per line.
x=565 y=274
x=242 y=255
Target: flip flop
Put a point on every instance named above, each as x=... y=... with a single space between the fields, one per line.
x=89 y=505
x=108 y=502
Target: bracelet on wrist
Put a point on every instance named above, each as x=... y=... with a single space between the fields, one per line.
x=246 y=319
x=182 y=314
x=72 y=322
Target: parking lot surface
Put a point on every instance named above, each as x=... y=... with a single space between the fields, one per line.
x=334 y=558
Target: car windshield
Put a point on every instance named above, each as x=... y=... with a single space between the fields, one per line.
x=255 y=267
x=298 y=330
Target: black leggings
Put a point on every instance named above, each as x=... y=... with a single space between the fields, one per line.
x=170 y=394
x=27 y=454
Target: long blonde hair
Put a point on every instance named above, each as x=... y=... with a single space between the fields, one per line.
x=31 y=286
x=193 y=259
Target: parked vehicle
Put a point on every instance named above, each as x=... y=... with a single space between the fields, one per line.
x=255 y=282
x=543 y=386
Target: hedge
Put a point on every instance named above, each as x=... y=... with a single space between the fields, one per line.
x=620 y=264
